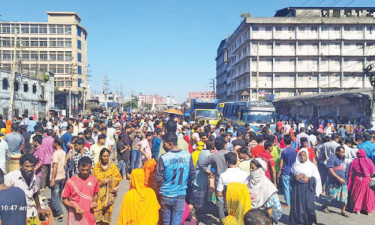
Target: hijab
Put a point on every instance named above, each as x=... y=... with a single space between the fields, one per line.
x=363 y=166
x=307 y=168
x=195 y=155
x=139 y=205
x=149 y=169
x=260 y=187
x=238 y=203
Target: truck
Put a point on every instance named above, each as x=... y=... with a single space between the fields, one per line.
x=205 y=109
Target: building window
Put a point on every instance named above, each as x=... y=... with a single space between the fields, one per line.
x=79 y=57
x=255 y=28
x=268 y=28
x=336 y=28
x=80 y=70
x=79 y=82
x=6 y=29
x=290 y=29
x=60 y=29
x=325 y=29
x=79 y=43
x=25 y=42
x=43 y=29
x=60 y=42
x=34 y=56
x=68 y=42
x=16 y=86
x=68 y=29
x=52 y=56
x=68 y=56
x=34 y=29
x=52 y=42
x=60 y=69
x=60 y=56
x=43 y=56
x=25 y=87
x=5 y=84
x=301 y=29
x=43 y=42
x=359 y=28
x=278 y=28
x=314 y=29
x=347 y=28
x=34 y=42
x=34 y=88
x=25 y=29
x=52 y=29
x=79 y=31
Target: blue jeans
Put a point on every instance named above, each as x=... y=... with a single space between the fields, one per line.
x=56 y=197
x=136 y=158
x=122 y=167
x=285 y=179
x=172 y=209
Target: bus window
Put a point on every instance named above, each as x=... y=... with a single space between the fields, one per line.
x=241 y=114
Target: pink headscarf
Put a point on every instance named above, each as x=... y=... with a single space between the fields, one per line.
x=363 y=166
x=320 y=129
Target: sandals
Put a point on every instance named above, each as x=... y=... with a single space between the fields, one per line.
x=60 y=218
x=345 y=214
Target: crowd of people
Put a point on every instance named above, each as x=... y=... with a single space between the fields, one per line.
x=179 y=171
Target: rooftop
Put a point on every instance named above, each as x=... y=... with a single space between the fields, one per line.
x=64 y=14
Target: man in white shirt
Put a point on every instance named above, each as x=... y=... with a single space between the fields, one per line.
x=232 y=174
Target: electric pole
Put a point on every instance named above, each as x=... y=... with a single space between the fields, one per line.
x=13 y=78
x=105 y=90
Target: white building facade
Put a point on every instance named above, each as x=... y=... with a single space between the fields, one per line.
x=32 y=95
x=299 y=51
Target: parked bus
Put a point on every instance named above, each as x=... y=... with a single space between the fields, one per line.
x=255 y=113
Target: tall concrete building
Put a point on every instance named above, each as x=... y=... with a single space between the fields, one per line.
x=57 y=46
x=298 y=51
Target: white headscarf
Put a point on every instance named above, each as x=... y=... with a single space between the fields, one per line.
x=260 y=187
x=309 y=169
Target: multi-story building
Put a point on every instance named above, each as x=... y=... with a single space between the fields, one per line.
x=203 y=94
x=149 y=99
x=32 y=95
x=299 y=51
x=57 y=46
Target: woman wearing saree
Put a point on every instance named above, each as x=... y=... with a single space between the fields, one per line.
x=238 y=203
x=306 y=183
x=139 y=205
x=263 y=192
x=109 y=178
x=362 y=197
x=149 y=168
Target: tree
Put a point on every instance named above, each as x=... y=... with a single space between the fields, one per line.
x=245 y=15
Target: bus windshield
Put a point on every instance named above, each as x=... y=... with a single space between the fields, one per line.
x=207 y=114
x=261 y=117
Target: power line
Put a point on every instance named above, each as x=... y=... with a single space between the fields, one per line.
x=349 y=3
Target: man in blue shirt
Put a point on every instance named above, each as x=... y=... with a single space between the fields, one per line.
x=174 y=172
x=67 y=138
x=156 y=144
x=368 y=146
x=287 y=158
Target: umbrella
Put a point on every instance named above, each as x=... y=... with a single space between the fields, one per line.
x=173 y=111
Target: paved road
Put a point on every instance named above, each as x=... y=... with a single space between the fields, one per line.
x=334 y=218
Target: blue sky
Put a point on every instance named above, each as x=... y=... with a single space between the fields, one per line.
x=165 y=47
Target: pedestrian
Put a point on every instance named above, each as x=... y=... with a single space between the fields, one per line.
x=175 y=172
x=268 y=158
x=108 y=178
x=338 y=189
x=46 y=151
x=305 y=144
x=238 y=203
x=257 y=217
x=287 y=158
x=57 y=179
x=149 y=168
x=156 y=143
x=16 y=215
x=245 y=158
x=145 y=147
x=262 y=191
x=3 y=152
x=80 y=194
x=362 y=197
x=305 y=183
x=96 y=148
x=136 y=137
x=78 y=152
x=15 y=141
x=139 y=205
x=67 y=138
x=25 y=179
x=121 y=155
